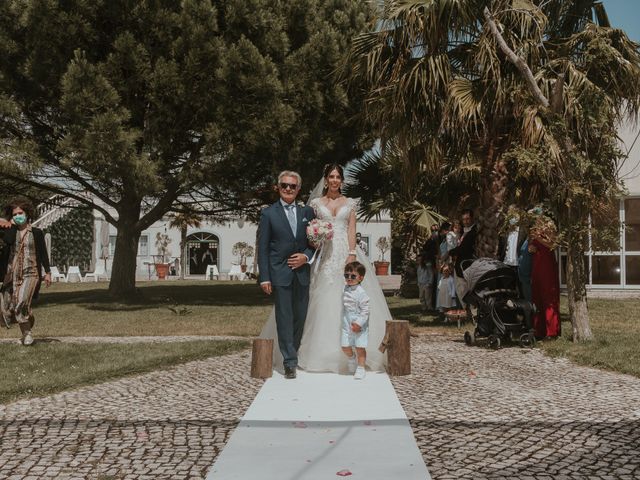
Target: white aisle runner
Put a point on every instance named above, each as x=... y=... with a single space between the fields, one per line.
x=322 y=426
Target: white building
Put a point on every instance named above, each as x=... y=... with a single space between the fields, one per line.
x=212 y=244
x=620 y=269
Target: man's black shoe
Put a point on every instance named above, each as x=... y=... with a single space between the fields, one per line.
x=289 y=372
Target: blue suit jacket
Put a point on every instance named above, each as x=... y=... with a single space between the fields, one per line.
x=276 y=244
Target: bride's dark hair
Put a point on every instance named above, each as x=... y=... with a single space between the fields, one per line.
x=328 y=168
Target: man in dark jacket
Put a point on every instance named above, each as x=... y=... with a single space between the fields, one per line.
x=430 y=254
x=464 y=252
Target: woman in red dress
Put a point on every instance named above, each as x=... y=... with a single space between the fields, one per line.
x=545 y=286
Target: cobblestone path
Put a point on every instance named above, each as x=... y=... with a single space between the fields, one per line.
x=476 y=414
x=162 y=425
x=516 y=414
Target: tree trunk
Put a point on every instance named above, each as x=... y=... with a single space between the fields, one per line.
x=255 y=255
x=493 y=195
x=262 y=358
x=183 y=252
x=407 y=245
x=123 y=274
x=577 y=291
x=397 y=344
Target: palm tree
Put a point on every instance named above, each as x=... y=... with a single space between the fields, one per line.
x=377 y=180
x=442 y=86
x=183 y=221
x=590 y=84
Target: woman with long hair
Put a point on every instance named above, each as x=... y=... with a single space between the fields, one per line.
x=545 y=286
x=22 y=260
x=320 y=348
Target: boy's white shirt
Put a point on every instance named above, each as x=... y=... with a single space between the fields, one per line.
x=356 y=304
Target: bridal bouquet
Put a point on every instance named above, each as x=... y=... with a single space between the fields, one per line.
x=319 y=230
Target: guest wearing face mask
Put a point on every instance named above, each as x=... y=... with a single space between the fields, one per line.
x=23 y=258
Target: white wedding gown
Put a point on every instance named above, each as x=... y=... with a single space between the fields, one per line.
x=320 y=349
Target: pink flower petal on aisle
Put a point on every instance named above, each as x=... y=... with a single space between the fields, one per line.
x=299 y=425
x=344 y=473
x=368 y=422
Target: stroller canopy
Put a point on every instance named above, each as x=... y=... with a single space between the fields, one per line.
x=483 y=266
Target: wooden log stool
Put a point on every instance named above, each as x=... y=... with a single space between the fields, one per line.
x=398 y=346
x=262 y=358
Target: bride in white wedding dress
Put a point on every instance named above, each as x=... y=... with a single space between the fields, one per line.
x=320 y=350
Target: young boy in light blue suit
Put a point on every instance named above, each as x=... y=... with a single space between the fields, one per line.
x=355 y=319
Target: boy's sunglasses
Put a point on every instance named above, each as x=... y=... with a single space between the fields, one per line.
x=350 y=276
x=290 y=186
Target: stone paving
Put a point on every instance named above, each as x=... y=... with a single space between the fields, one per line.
x=476 y=413
x=516 y=414
x=162 y=425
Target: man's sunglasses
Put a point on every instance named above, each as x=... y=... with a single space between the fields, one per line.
x=350 y=276
x=290 y=186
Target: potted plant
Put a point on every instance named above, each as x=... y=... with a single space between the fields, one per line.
x=242 y=250
x=382 y=266
x=162 y=246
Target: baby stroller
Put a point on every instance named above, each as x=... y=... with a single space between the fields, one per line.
x=501 y=315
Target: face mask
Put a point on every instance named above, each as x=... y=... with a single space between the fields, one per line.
x=20 y=219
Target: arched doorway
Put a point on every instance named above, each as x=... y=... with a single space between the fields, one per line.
x=202 y=250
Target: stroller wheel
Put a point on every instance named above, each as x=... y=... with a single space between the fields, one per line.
x=527 y=340
x=469 y=338
x=494 y=342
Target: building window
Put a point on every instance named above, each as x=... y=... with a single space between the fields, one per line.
x=632 y=224
x=563 y=268
x=619 y=267
x=143 y=246
x=632 y=269
x=605 y=270
x=112 y=245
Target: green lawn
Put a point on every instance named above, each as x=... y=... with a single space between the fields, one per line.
x=212 y=308
x=616 y=345
x=229 y=308
x=615 y=325
x=48 y=367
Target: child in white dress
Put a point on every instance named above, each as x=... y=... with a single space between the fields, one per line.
x=355 y=319
x=446 y=290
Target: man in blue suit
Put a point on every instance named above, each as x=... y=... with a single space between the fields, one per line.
x=283 y=259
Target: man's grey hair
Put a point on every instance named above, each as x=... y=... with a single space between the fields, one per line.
x=290 y=173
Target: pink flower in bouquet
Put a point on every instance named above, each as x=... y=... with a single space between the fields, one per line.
x=319 y=231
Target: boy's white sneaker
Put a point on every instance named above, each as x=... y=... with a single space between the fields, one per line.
x=360 y=373
x=351 y=365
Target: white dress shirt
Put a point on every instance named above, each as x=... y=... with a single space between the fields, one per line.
x=356 y=307
x=511 y=255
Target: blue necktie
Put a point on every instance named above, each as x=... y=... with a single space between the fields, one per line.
x=291 y=216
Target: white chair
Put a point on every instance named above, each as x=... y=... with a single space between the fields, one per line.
x=98 y=272
x=56 y=276
x=74 y=270
x=212 y=271
x=236 y=271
